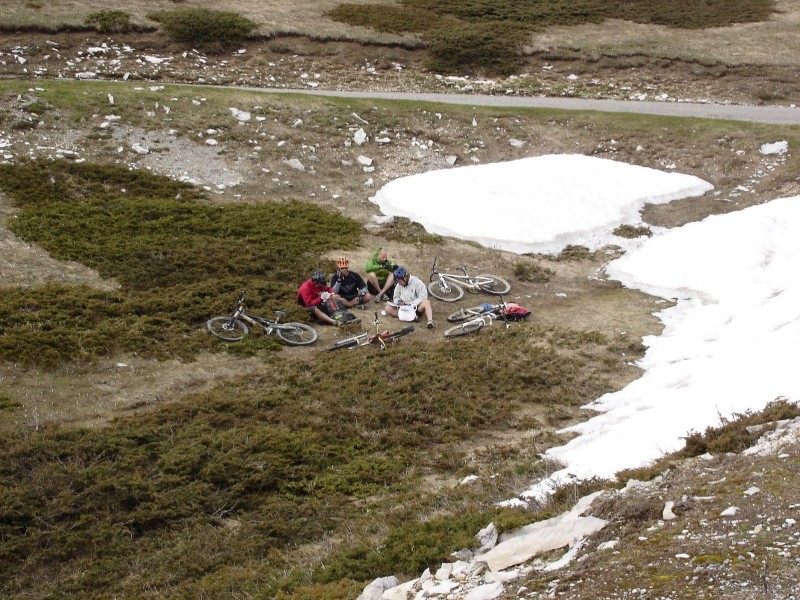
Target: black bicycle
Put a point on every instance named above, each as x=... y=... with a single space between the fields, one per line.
x=233 y=328
x=381 y=339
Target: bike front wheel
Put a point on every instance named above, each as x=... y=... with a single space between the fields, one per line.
x=465 y=313
x=227 y=328
x=492 y=284
x=446 y=292
x=463 y=329
x=296 y=334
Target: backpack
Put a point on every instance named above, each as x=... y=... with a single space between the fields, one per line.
x=515 y=312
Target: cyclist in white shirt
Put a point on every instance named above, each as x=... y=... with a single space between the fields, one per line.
x=410 y=291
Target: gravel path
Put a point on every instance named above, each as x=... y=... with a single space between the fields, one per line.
x=776 y=115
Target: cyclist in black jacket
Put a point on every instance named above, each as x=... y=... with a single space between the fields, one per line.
x=349 y=285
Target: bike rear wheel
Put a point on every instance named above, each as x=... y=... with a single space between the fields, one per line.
x=492 y=284
x=446 y=292
x=296 y=334
x=465 y=313
x=463 y=329
x=227 y=328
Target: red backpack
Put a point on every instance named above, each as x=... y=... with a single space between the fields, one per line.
x=515 y=312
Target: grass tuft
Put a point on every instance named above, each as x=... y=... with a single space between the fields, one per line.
x=204 y=28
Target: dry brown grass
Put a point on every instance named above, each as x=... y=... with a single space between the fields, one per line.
x=304 y=17
x=773 y=42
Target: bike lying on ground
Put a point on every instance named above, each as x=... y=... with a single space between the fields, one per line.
x=449 y=287
x=233 y=328
x=380 y=339
x=477 y=317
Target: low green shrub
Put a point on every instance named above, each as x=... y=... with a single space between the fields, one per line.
x=179 y=262
x=528 y=271
x=630 y=232
x=475 y=48
x=201 y=27
x=390 y=19
x=733 y=435
x=110 y=21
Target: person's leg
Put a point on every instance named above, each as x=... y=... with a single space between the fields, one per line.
x=323 y=317
x=388 y=284
x=373 y=284
x=390 y=310
x=359 y=300
x=426 y=308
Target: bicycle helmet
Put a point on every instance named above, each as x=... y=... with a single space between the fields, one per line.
x=319 y=278
x=399 y=273
x=342 y=262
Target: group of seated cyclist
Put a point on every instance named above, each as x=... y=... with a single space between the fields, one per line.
x=405 y=295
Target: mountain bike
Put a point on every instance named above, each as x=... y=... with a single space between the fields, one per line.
x=381 y=339
x=449 y=287
x=478 y=317
x=233 y=328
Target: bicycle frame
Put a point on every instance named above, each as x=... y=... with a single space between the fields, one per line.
x=465 y=280
x=234 y=327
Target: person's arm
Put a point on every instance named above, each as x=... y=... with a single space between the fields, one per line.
x=336 y=282
x=373 y=265
x=309 y=295
x=420 y=291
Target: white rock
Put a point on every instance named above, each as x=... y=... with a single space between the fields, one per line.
x=154 y=60
x=485 y=592
x=501 y=576
x=383 y=140
x=444 y=571
x=360 y=137
x=211 y=142
x=110 y=99
x=364 y=160
x=294 y=164
x=468 y=479
x=751 y=491
x=369 y=182
x=729 y=512
x=85 y=75
x=375 y=590
x=609 y=545
x=516 y=143
x=139 y=149
x=667 y=513
x=487 y=537
x=474 y=122
x=521 y=545
x=775 y=148
x=240 y=115
x=451 y=160
x=440 y=589
x=297 y=123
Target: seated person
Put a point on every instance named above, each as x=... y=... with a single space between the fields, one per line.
x=410 y=290
x=380 y=280
x=349 y=285
x=315 y=295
